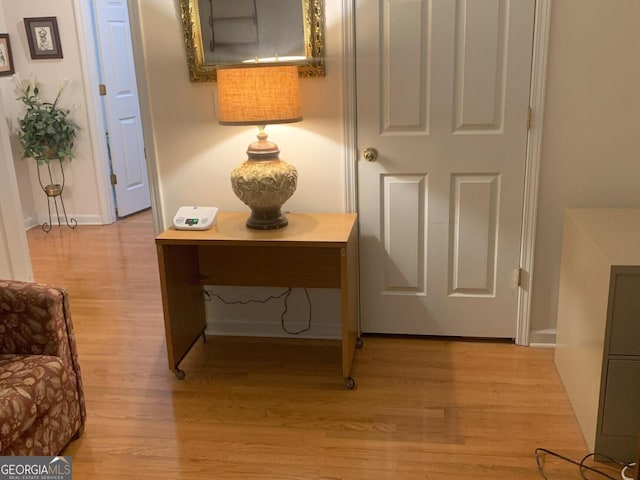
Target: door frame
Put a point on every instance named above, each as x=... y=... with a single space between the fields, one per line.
x=97 y=128
x=542 y=24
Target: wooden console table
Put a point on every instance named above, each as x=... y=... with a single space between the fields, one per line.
x=316 y=250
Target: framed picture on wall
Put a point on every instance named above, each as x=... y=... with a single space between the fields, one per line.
x=6 y=58
x=43 y=37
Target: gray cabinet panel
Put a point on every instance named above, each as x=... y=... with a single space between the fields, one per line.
x=625 y=324
x=620 y=413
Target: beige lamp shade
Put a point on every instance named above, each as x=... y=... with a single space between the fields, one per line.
x=258 y=95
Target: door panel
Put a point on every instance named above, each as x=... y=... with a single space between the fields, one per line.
x=404 y=236
x=472 y=245
x=479 y=66
x=402 y=76
x=443 y=90
x=122 y=108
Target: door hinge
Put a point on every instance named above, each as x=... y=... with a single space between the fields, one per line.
x=519 y=276
x=103 y=89
x=114 y=179
x=529 y=114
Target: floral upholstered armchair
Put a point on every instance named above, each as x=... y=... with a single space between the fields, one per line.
x=41 y=400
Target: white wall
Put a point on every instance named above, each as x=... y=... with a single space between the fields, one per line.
x=14 y=253
x=591 y=146
x=15 y=262
x=80 y=193
x=591 y=155
x=195 y=155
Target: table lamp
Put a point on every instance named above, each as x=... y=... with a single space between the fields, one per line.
x=261 y=94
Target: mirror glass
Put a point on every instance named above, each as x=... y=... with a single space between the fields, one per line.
x=227 y=32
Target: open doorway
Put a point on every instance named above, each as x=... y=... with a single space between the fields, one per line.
x=113 y=91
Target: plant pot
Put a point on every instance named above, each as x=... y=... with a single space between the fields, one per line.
x=53 y=190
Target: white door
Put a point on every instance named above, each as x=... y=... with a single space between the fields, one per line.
x=443 y=92
x=122 y=108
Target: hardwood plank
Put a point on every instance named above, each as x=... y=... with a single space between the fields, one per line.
x=275 y=408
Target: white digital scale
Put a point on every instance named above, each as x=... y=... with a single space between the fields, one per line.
x=195 y=218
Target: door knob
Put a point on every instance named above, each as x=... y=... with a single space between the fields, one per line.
x=370 y=154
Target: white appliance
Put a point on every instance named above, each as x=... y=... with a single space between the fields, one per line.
x=195 y=218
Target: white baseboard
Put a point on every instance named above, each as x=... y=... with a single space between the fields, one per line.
x=31 y=222
x=545 y=338
x=252 y=328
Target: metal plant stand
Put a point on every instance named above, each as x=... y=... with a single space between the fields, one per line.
x=54 y=194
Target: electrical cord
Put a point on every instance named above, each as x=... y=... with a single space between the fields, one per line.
x=623 y=473
x=286 y=294
x=305 y=329
x=580 y=464
x=211 y=295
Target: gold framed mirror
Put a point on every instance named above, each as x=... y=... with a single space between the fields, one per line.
x=227 y=32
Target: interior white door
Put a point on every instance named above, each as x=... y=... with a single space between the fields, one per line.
x=122 y=107
x=443 y=92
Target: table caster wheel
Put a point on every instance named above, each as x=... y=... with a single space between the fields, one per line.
x=350 y=383
x=359 y=342
x=180 y=374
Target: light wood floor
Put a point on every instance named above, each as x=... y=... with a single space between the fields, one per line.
x=277 y=409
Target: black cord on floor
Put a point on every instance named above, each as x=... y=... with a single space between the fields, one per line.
x=581 y=466
x=210 y=295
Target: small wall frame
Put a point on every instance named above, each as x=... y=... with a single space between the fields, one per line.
x=6 y=57
x=43 y=37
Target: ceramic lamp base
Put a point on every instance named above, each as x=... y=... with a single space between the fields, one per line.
x=266 y=220
x=264 y=186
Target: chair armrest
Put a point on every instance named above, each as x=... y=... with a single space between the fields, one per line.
x=34 y=319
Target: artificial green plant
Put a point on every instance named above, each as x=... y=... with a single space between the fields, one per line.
x=45 y=131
